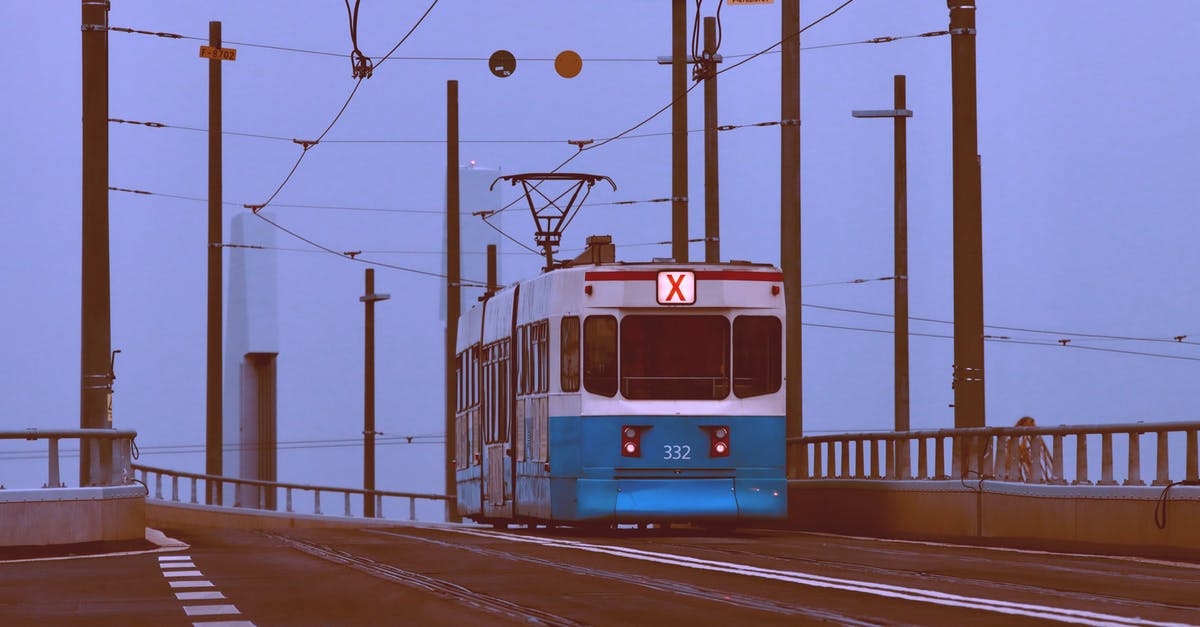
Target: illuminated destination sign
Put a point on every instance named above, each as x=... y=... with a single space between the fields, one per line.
x=676 y=287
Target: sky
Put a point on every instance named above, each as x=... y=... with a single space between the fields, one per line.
x=1086 y=132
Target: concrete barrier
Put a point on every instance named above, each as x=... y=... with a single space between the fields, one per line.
x=72 y=515
x=1107 y=519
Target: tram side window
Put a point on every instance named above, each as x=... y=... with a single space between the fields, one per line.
x=542 y=355
x=569 y=354
x=757 y=356
x=600 y=355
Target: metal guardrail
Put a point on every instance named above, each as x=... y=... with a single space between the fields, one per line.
x=109 y=453
x=1004 y=453
x=213 y=485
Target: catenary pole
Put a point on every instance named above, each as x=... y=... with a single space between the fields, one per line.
x=452 y=290
x=95 y=394
x=900 y=272
x=679 y=156
x=369 y=298
x=789 y=222
x=213 y=462
x=712 y=194
x=968 y=223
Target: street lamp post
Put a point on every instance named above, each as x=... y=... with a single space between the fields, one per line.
x=899 y=115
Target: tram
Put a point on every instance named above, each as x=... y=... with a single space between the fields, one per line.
x=606 y=393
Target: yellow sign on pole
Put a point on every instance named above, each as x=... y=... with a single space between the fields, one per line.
x=220 y=54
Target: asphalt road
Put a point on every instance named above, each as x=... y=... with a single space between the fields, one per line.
x=456 y=575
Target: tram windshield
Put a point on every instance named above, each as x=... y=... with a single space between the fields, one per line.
x=682 y=357
x=674 y=357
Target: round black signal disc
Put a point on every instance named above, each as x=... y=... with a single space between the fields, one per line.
x=502 y=63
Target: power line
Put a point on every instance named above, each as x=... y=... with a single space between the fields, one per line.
x=849 y=282
x=538 y=59
x=723 y=127
x=1178 y=339
x=1005 y=340
x=283 y=445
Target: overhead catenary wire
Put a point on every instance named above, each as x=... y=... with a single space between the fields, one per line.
x=523 y=59
x=175 y=449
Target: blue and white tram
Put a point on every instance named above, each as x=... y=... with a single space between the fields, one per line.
x=624 y=393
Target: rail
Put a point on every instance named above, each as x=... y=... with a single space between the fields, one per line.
x=109 y=453
x=213 y=485
x=1003 y=453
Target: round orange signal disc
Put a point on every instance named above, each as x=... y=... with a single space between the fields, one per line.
x=568 y=64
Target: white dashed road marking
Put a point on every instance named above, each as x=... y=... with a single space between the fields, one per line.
x=199 y=596
x=200 y=583
x=173 y=566
x=209 y=610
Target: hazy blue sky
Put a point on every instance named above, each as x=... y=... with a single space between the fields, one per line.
x=1087 y=132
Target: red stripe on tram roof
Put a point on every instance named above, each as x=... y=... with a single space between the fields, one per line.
x=706 y=275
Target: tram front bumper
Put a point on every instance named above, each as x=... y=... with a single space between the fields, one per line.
x=679 y=500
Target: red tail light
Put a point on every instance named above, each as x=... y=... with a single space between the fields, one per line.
x=631 y=441
x=718 y=441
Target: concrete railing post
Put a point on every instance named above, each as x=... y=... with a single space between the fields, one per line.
x=379 y=506
x=889 y=459
x=193 y=490
x=922 y=459
x=860 y=464
x=831 y=460
x=802 y=461
x=1081 y=460
x=289 y=499
x=1012 y=460
x=875 y=459
x=412 y=508
x=1057 y=462
x=1163 y=476
x=939 y=457
x=1106 y=460
x=844 y=445
x=347 y=494
x=1037 y=473
x=158 y=485
x=175 y=488
x=1193 y=468
x=1135 y=460
x=52 y=478
x=816 y=473
x=316 y=501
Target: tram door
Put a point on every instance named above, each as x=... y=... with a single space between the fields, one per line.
x=498 y=411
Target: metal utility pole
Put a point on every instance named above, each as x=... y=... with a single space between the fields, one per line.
x=213 y=461
x=679 y=156
x=493 y=285
x=899 y=115
x=789 y=222
x=95 y=394
x=712 y=194
x=369 y=298
x=968 y=222
x=452 y=290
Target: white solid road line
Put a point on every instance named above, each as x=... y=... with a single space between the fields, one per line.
x=1045 y=612
x=209 y=610
x=199 y=596
x=191 y=583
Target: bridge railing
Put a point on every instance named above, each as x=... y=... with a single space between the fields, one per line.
x=1003 y=453
x=109 y=453
x=267 y=491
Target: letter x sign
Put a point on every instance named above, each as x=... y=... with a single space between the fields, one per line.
x=676 y=288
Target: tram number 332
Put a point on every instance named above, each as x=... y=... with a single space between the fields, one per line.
x=677 y=451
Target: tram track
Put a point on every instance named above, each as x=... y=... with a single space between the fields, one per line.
x=446 y=589
x=658 y=584
x=1082 y=597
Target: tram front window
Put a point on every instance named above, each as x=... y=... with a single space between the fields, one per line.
x=674 y=357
